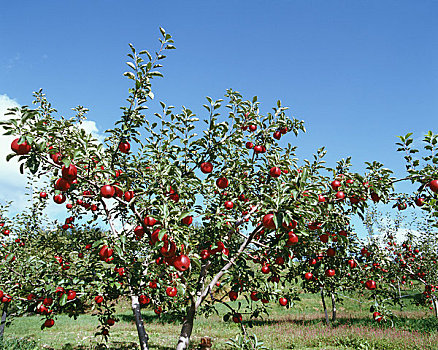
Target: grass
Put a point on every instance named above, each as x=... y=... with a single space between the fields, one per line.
x=300 y=327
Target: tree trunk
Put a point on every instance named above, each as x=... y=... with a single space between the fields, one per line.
x=333 y=307
x=3 y=321
x=187 y=327
x=435 y=305
x=142 y=335
x=325 y=307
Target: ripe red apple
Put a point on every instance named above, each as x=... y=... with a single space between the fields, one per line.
x=105 y=253
x=433 y=185
x=330 y=272
x=331 y=252
x=283 y=301
x=187 y=220
x=265 y=269
x=419 y=201
x=144 y=300
x=258 y=149
x=340 y=195
x=206 y=167
x=321 y=199
x=375 y=197
x=124 y=147
x=107 y=191
x=233 y=295
x=48 y=301
x=252 y=127
x=275 y=171
x=20 y=149
x=370 y=284
x=268 y=221
x=49 y=322
x=249 y=145
x=70 y=173
x=335 y=185
x=237 y=318
x=149 y=221
x=229 y=205
x=59 y=198
x=43 y=195
x=171 y=291
x=277 y=135
x=182 y=263
x=308 y=276
x=222 y=182
x=110 y=322
x=352 y=263
x=253 y=296
x=128 y=195
x=293 y=239
x=71 y=295
x=62 y=184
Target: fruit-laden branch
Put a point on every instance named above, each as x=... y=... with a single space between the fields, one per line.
x=216 y=278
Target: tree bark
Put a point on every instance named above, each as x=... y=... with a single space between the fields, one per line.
x=435 y=305
x=142 y=335
x=333 y=307
x=3 y=321
x=187 y=327
x=325 y=307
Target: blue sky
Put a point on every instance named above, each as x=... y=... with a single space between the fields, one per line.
x=358 y=72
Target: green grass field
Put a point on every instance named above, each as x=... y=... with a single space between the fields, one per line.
x=300 y=327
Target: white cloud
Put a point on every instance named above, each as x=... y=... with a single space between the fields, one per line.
x=90 y=127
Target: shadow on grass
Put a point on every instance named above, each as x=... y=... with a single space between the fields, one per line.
x=114 y=346
x=426 y=325
x=148 y=318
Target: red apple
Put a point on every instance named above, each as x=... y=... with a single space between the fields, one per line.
x=222 y=182
x=124 y=147
x=237 y=318
x=62 y=184
x=206 y=167
x=149 y=221
x=330 y=272
x=187 y=220
x=308 y=276
x=171 y=291
x=59 y=198
x=49 y=322
x=144 y=300
x=433 y=185
x=370 y=284
x=182 y=263
x=20 y=149
x=275 y=171
x=283 y=301
x=71 y=295
x=335 y=184
x=229 y=205
x=268 y=221
x=70 y=173
x=232 y=295
x=107 y=191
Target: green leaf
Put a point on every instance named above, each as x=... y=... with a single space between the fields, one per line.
x=63 y=299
